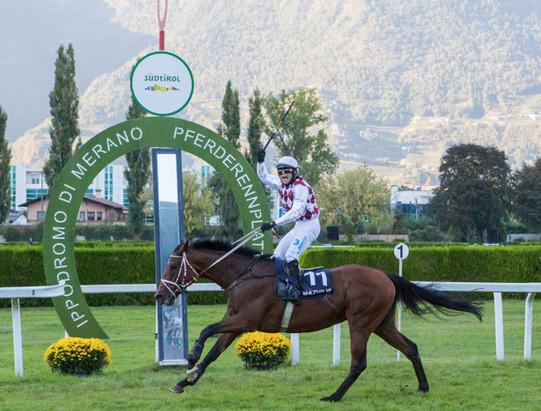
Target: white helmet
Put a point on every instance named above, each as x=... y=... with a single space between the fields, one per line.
x=287 y=162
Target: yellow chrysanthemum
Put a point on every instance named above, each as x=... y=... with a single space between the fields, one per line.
x=263 y=350
x=74 y=355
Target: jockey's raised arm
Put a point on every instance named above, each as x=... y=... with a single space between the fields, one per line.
x=298 y=199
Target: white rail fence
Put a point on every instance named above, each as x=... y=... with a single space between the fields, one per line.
x=16 y=293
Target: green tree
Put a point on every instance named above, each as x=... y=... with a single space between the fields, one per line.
x=137 y=174
x=229 y=129
x=353 y=197
x=64 y=103
x=474 y=192
x=5 y=159
x=255 y=127
x=527 y=198
x=198 y=203
x=297 y=136
x=399 y=223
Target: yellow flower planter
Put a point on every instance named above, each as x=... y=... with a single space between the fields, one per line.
x=79 y=356
x=263 y=351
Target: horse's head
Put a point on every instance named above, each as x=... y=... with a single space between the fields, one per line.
x=187 y=264
x=177 y=276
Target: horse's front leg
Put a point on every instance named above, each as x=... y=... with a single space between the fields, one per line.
x=196 y=372
x=199 y=344
x=230 y=324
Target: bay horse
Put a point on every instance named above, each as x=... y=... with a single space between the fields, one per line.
x=365 y=297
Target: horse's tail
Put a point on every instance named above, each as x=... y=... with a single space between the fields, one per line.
x=422 y=300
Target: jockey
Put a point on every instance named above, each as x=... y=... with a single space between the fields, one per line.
x=298 y=199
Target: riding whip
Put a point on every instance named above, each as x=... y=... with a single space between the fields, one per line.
x=278 y=125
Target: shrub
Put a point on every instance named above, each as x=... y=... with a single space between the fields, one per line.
x=263 y=351
x=512 y=264
x=79 y=356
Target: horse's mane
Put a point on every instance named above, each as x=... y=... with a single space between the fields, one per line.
x=222 y=245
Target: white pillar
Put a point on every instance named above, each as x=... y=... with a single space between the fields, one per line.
x=336 y=344
x=498 y=326
x=295 y=352
x=399 y=310
x=528 y=319
x=17 y=336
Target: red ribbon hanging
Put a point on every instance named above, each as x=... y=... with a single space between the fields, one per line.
x=161 y=23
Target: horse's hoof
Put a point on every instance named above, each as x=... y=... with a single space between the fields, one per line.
x=192 y=374
x=331 y=398
x=423 y=389
x=177 y=389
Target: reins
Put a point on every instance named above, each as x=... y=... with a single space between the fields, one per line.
x=247 y=270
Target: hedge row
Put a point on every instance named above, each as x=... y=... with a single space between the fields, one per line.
x=34 y=232
x=22 y=265
x=452 y=263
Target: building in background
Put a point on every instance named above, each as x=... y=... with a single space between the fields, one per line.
x=205 y=173
x=17 y=218
x=93 y=210
x=27 y=184
x=411 y=202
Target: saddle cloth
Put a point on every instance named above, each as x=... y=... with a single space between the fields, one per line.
x=316 y=282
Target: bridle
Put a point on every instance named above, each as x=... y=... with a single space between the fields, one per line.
x=181 y=275
x=185 y=264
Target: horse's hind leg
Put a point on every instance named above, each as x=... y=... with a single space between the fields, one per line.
x=388 y=331
x=193 y=375
x=358 y=364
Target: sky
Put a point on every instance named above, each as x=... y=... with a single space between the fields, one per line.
x=29 y=44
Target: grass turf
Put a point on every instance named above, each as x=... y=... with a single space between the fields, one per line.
x=458 y=354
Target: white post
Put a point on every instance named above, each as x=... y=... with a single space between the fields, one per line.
x=336 y=344
x=295 y=353
x=66 y=335
x=17 y=336
x=399 y=310
x=498 y=326
x=528 y=319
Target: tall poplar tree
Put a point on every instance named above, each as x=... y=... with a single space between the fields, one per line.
x=64 y=103
x=255 y=127
x=137 y=174
x=228 y=209
x=5 y=159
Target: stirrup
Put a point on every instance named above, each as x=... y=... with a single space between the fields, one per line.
x=293 y=294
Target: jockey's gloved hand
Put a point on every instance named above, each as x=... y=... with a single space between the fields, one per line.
x=261 y=156
x=267 y=226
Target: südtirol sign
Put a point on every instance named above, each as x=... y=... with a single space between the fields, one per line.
x=161 y=83
x=66 y=196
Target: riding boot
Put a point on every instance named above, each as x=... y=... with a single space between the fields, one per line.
x=287 y=290
x=294 y=271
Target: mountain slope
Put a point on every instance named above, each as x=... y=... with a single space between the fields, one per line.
x=400 y=81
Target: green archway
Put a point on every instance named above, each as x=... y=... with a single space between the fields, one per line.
x=66 y=196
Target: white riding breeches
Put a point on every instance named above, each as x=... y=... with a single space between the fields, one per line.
x=297 y=240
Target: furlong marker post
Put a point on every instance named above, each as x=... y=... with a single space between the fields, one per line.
x=401 y=252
